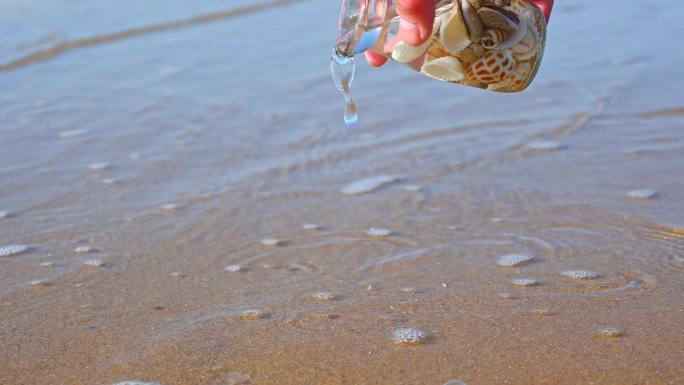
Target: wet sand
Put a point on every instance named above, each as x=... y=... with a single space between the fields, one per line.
x=151 y=173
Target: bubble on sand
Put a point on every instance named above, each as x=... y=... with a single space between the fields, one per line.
x=379 y=232
x=368 y=185
x=84 y=249
x=234 y=268
x=273 y=242
x=545 y=145
x=252 y=315
x=93 y=262
x=323 y=296
x=311 y=226
x=409 y=337
x=525 y=282
x=12 y=250
x=513 y=260
x=99 y=166
x=136 y=383
x=611 y=332
x=580 y=274
x=642 y=194
x=455 y=382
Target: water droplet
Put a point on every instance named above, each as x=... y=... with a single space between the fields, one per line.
x=311 y=226
x=611 y=332
x=323 y=296
x=252 y=315
x=642 y=194
x=409 y=337
x=545 y=145
x=234 y=268
x=378 y=232
x=12 y=250
x=343 y=69
x=455 y=382
x=580 y=274
x=84 y=249
x=93 y=262
x=512 y=260
x=99 y=166
x=273 y=242
x=525 y=282
x=368 y=185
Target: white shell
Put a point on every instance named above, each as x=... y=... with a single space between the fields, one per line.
x=518 y=35
x=447 y=68
x=528 y=46
x=404 y=53
x=453 y=32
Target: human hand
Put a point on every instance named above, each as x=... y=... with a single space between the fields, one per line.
x=417 y=18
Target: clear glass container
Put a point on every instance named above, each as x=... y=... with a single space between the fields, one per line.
x=495 y=45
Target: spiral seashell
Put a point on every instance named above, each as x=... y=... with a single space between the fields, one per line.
x=494 y=37
x=446 y=68
x=494 y=19
x=493 y=67
x=516 y=81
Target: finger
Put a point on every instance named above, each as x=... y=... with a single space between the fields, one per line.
x=546 y=7
x=374 y=59
x=417 y=17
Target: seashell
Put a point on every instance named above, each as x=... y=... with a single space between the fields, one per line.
x=493 y=19
x=472 y=20
x=494 y=37
x=453 y=32
x=436 y=51
x=404 y=53
x=516 y=81
x=470 y=54
x=517 y=36
x=446 y=68
x=477 y=4
x=493 y=67
x=528 y=46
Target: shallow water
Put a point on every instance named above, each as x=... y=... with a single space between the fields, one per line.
x=212 y=134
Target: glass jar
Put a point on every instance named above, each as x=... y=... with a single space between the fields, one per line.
x=495 y=45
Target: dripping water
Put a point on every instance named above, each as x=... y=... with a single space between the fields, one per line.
x=343 y=68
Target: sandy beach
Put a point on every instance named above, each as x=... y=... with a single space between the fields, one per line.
x=181 y=203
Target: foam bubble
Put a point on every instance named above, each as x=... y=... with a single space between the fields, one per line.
x=368 y=185
x=409 y=336
x=379 y=232
x=99 y=166
x=512 y=260
x=322 y=296
x=642 y=194
x=273 y=242
x=252 y=315
x=234 y=268
x=580 y=274
x=94 y=262
x=525 y=282
x=12 y=250
x=611 y=332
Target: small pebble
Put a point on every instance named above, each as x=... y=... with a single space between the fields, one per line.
x=311 y=226
x=611 y=332
x=365 y=186
x=513 y=260
x=72 y=133
x=408 y=289
x=99 y=166
x=642 y=194
x=273 y=242
x=323 y=296
x=455 y=382
x=232 y=378
x=8 y=251
x=46 y=264
x=84 y=249
x=37 y=282
x=234 y=268
x=5 y=214
x=252 y=315
x=93 y=262
x=412 y=187
x=169 y=206
x=545 y=145
x=409 y=337
x=506 y=295
x=525 y=282
x=378 y=232
x=580 y=274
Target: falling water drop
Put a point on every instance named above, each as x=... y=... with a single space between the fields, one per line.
x=342 y=69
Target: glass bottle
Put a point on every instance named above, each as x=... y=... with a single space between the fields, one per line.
x=495 y=45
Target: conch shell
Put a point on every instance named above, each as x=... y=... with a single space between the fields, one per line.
x=494 y=37
x=494 y=19
x=447 y=68
x=495 y=66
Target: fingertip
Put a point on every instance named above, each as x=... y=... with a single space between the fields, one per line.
x=374 y=59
